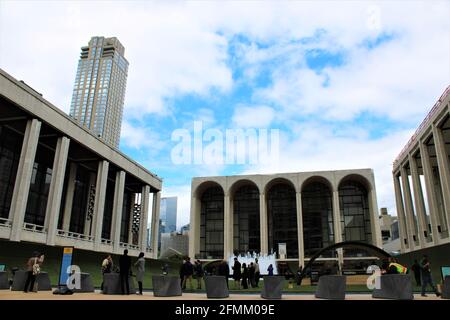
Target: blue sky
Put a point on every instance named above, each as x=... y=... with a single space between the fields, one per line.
x=345 y=83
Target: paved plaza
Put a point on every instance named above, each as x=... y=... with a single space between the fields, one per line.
x=48 y=295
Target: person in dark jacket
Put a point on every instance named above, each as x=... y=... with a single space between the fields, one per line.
x=270 y=270
x=237 y=273
x=251 y=275
x=125 y=268
x=199 y=273
x=244 y=276
x=182 y=272
x=257 y=273
x=33 y=269
x=426 y=276
x=188 y=271
x=416 y=269
x=224 y=270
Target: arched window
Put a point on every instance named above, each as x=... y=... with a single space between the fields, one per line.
x=211 y=223
x=355 y=214
x=282 y=218
x=317 y=211
x=246 y=219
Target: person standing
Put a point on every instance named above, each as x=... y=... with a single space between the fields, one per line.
x=125 y=268
x=257 y=273
x=416 y=269
x=237 y=273
x=299 y=275
x=33 y=269
x=107 y=267
x=188 y=271
x=199 y=273
x=426 y=276
x=251 y=275
x=244 y=276
x=140 y=271
x=182 y=272
x=270 y=270
x=224 y=270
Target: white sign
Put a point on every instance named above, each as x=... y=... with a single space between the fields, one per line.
x=282 y=251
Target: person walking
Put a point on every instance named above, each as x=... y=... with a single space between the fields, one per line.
x=244 y=276
x=124 y=272
x=416 y=269
x=257 y=273
x=270 y=270
x=199 y=273
x=251 y=275
x=237 y=273
x=107 y=267
x=426 y=276
x=33 y=269
x=188 y=271
x=140 y=271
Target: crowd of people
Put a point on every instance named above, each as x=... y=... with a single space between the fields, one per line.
x=244 y=275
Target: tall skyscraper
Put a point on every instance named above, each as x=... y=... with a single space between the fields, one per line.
x=167 y=216
x=99 y=90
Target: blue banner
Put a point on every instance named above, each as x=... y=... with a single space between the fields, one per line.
x=66 y=262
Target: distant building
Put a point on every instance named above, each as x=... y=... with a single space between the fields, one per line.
x=389 y=232
x=99 y=89
x=174 y=243
x=168 y=217
x=185 y=227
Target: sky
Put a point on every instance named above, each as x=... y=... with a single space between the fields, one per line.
x=345 y=84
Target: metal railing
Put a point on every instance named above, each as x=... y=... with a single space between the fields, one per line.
x=107 y=241
x=34 y=228
x=128 y=246
x=5 y=222
x=423 y=124
x=74 y=235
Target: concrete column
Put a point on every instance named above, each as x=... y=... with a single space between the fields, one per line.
x=155 y=223
x=99 y=205
x=301 y=247
x=431 y=192
x=409 y=209
x=374 y=221
x=23 y=178
x=418 y=201
x=56 y=188
x=337 y=225
x=67 y=214
x=400 y=214
x=119 y=190
x=226 y=227
x=444 y=171
x=145 y=205
x=194 y=231
x=263 y=224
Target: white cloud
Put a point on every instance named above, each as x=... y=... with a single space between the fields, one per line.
x=253 y=116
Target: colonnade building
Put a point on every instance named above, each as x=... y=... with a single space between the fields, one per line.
x=421 y=176
x=307 y=211
x=61 y=185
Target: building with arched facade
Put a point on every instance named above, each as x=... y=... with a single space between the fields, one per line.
x=306 y=211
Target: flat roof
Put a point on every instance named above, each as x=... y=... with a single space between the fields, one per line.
x=32 y=102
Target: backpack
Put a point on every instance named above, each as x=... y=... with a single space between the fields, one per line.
x=36 y=267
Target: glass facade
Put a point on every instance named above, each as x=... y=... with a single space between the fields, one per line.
x=282 y=218
x=212 y=223
x=10 y=147
x=126 y=213
x=41 y=177
x=317 y=210
x=355 y=215
x=99 y=91
x=246 y=220
x=80 y=200
x=108 y=210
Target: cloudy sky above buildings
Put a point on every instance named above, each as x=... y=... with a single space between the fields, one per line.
x=345 y=83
